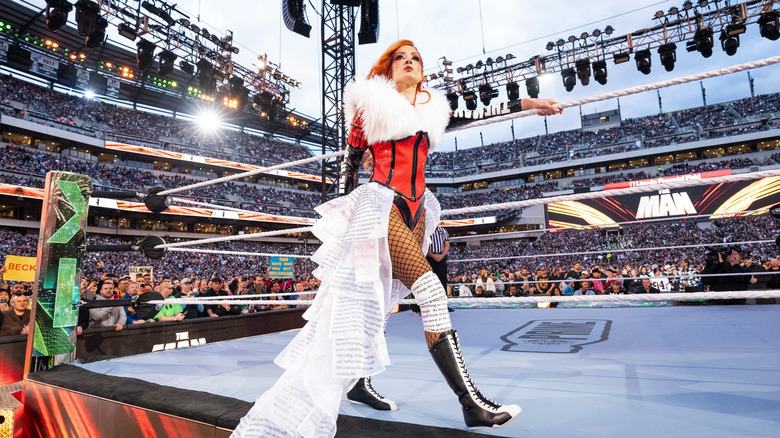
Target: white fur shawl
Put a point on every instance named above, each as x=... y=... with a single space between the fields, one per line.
x=387 y=115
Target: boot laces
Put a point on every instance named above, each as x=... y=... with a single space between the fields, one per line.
x=476 y=394
x=367 y=384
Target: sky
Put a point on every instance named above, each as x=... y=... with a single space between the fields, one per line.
x=462 y=29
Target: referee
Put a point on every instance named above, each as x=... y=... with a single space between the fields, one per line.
x=437 y=254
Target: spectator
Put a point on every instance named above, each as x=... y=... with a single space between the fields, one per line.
x=107 y=316
x=646 y=288
x=16 y=320
x=169 y=311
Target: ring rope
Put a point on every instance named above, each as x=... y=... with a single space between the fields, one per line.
x=251 y=173
x=219 y=207
x=235 y=297
x=756 y=212
x=675 y=296
x=656 y=248
x=627 y=91
x=621 y=278
x=238 y=253
x=615 y=192
x=236 y=237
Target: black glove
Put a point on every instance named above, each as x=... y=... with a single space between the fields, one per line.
x=350 y=164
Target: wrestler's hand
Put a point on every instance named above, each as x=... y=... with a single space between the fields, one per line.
x=543 y=107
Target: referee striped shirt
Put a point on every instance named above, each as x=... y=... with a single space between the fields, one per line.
x=438 y=238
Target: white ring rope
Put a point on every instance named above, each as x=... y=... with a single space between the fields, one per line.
x=619 y=279
x=236 y=297
x=615 y=192
x=252 y=173
x=627 y=91
x=675 y=296
x=238 y=253
x=657 y=248
x=237 y=237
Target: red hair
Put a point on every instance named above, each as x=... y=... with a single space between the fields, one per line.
x=384 y=65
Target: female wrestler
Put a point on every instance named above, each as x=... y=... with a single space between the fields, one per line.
x=373 y=254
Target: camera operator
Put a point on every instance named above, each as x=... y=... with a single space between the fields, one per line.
x=726 y=261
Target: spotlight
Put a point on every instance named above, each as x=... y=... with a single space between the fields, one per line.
x=86 y=16
x=609 y=29
x=57 y=13
x=186 y=67
x=600 y=72
x=89 y=94
x=487 y=93
x=583 y=71
x=729 y=44
x=453 y=99
x=702 y=42
x=569 y=78
x=550 y=45
x=512 y=91
x=127 y=31
x=470 y=98
x=769 y=24
x=236 y=85
x=145 y=54
x=668 y=54
x=620 y=58
x=596 y=33
x=532 y=87
x=643 y=61
x=98 y=34
x=206 y=81
x=167 y=60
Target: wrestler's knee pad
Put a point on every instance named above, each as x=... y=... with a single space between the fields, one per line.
x=432 y=299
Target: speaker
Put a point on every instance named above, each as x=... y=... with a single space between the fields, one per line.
x=294 y=15
x=369 y=22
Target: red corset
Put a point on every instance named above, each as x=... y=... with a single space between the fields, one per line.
x=400 y=165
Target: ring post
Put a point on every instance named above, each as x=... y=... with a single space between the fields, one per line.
x=52 y=339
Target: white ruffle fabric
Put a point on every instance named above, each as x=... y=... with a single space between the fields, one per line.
x=343 y=339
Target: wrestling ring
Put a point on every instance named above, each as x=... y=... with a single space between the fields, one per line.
x=611 y=369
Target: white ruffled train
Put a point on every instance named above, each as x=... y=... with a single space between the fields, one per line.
x=343 y=339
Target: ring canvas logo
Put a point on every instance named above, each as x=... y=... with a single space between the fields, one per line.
x=556 y=335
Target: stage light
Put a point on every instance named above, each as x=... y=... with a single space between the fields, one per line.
x=596 y=33
x=166 y=62
x=688 y=5
x=145 y=54
x=453 y=99
x=470 y=97
x=89 y=94
x=158 y=12
x=609 y=29
x=208 y=121
x=550 y=45
x=643 y=61
x=512 y=91
x=674 y=10
x=294 y=15
x=487 y=93
x=236 y=86
x=86 y=16
x=668 y=54
x=702 y=42
x=184 y=22
x=260 y=64
x=127 y=31
x=569 y=78
x=583 y=71
x=206 y=81
x=186 y=67
x=532 y=87
x=57 y=13
x=729 y=43
x=600 y=72
x=769 y=25
x=560 y=42
x=620 y=58
x=98 y=34
x=479 y=64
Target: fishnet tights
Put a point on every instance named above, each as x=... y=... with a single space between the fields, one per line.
x=406 y=255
